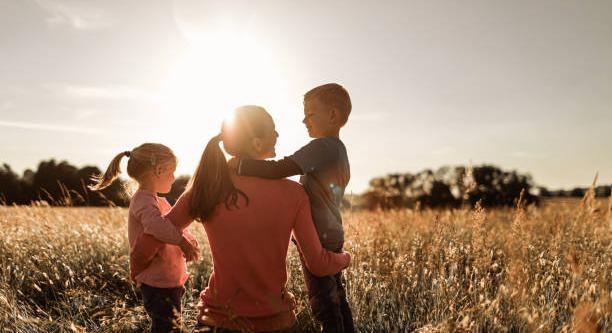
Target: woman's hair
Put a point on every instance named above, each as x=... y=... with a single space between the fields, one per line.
x=211 y=183
x=141 y=159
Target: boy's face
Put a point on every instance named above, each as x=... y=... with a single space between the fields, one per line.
x=319 y=119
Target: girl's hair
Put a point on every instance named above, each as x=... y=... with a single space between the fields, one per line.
x=142 y=159
x=211 y=184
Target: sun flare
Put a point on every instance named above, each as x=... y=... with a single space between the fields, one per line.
x=219 y=70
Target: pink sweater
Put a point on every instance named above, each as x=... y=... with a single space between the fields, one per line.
x=165 y=265
x=249 y=248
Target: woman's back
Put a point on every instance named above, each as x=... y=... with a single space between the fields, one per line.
x=249 y=248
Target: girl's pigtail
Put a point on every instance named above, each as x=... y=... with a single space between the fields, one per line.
x=112 y=172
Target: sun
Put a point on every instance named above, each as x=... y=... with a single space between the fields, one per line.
x=220 y=69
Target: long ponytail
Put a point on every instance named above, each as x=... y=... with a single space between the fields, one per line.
x=211 y=183
x=111 y=173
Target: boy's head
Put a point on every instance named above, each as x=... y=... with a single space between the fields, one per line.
x=326 y=110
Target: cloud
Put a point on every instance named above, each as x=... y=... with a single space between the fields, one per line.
x=77 y=15
x=112 y=92
x=48 y=127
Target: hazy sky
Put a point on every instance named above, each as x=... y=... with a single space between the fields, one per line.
x=525 y=85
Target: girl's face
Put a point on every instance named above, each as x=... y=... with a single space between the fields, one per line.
x=163 y=177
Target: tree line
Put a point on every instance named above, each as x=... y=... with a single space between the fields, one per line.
x=62 y=184
x=455 y=186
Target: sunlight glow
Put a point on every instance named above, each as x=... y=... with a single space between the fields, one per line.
x=222 y=68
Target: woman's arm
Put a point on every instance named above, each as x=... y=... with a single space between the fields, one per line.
x=179 y=213
x=319 y=261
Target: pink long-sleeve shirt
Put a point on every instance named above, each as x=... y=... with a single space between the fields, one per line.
x=249 y=248
x=165 y=265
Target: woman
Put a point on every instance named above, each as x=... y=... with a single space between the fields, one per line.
x=249 y=222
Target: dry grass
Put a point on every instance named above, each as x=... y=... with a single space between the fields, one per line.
x=525 y=269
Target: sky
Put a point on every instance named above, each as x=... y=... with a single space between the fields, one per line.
x=525 y=85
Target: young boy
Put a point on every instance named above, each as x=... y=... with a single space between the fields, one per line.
x=324 y=166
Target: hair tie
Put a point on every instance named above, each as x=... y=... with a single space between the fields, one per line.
x=127 y=153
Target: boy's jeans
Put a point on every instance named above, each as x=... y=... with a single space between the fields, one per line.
x=163 y=306
x=328 y=301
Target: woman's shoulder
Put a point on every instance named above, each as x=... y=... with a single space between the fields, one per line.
x=281 y=187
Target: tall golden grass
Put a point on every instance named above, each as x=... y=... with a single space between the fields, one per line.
x=525 y=269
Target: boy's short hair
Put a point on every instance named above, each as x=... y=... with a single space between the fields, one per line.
x=332 y=95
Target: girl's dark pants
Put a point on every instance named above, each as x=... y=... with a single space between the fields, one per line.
x=164 y=307
x=328 y=302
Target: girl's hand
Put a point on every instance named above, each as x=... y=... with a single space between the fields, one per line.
x=190 y=251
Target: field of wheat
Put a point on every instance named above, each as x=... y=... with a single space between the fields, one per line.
x=527 y=269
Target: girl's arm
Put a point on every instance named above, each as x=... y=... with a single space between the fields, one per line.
x=155 y=224
x=146 y=246
x=319 y=261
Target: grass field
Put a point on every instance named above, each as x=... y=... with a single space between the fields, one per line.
x=545 y=269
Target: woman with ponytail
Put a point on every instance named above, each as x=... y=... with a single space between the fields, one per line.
x=249 y=223
x=160 y=273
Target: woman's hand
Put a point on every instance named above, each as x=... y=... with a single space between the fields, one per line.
x=191 y=250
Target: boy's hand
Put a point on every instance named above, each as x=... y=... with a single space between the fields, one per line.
x=190 y=250
x=233 y=163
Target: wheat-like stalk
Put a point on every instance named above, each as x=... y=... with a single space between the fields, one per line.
x=65 y=269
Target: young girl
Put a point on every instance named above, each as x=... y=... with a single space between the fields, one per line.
x=161 y=274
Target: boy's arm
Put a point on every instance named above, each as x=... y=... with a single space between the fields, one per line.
x=319 y=261
x=316 y=155
x=268 y=169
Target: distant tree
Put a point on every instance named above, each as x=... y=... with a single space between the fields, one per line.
x=449 y=187
x=577 y=192
x=495 y=187
x=177 y=189
x=544 y=192
x=65 y=184
x=603 y=191
x=51 y=181
x=114 y=194
x=11 y=190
